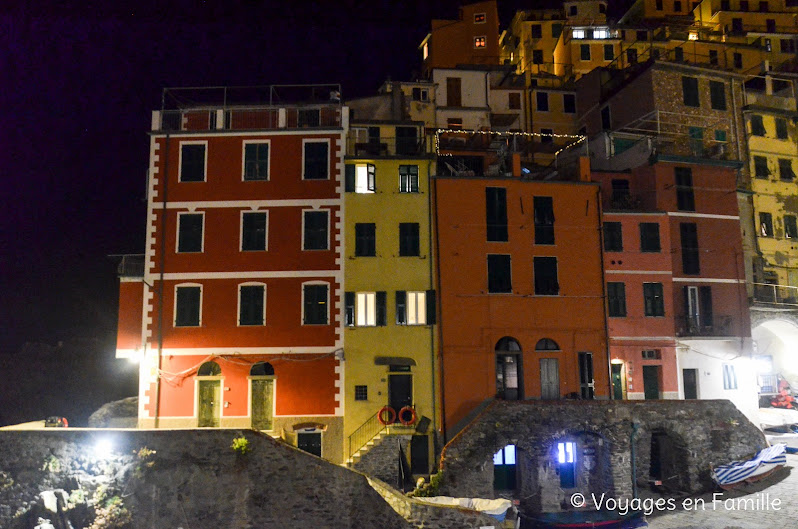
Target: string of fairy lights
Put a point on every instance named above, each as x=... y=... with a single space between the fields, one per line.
x=578 y=138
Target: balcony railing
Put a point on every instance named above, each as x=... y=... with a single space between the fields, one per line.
x=776 y=294
x=698 y=326
x=385 y=147
x=131 y=266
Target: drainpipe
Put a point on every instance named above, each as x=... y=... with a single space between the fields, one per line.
x=160 y=284
x=633 y=452
x=431 y=284
x=604 y=295
x=434 y=188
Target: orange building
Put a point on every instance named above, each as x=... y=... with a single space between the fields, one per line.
x=520 y=283
x=235 y=312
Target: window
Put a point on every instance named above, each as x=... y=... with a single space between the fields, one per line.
x=569 y=103
x=678 y=53
x=578 y=34
x=790 y=227
x=601 y=33
x=609 y=52
x=479 y=42
x=616 y=299
x=689 y=242
x=314 y=304
x=761 y=167
x=316 y=160
x=499 y=274
x=556 y=31
x=253 y=231
x=658 y=4
x=496 y=213
x=514 y=100
x=696 y=135
x=420 y=94
x=606 y=121
x=613 y=237
x=677 y=6
x=787 y=45
x=251 y=304
x=725 y=5
x=738 y=60
x=649 y=237
x=620 y=193
x=547 y=344
x=653 y=301
x=766 y=225
x=584 y=52
x=546 y=135
x=757 y=125
x=545 y=269
x=504 y=469
x=544 y=220
x=729 y=377
x=479 y=18
x=566 y=461
x=717 y=95
x=365 y=309
x=454 y=123
x=256 y=161
x=690 y=91
x=361 y=393
x=453 y=92
x=308 y=117
x=188 y=302
x=408 y=179
x=770 y=25
x=537 y=56
x=536 y=31
x=189 y=232
x=631 y=55
x=685 y=196
x=651 y=354
x=365 y=176
x=720 y=136
x=409 y=239
x=572 y=10
x=415 y=308
x=781 y=128
x=743 y=5
x=365 y=239
x=192 y=162
x=542 y=99
x=641 y=34
x=785 y=170
x=315 y=230
x=713 y=57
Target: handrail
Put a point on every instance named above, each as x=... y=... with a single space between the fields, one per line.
x=775 y=294
x=365 y=433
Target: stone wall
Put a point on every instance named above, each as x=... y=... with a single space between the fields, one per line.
x=691 y=437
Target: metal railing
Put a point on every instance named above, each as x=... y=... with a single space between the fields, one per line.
x=775 y=294
x=365 y=433
x=382 y=146
x=768 y=384
x=719 y=325
x=131 y=265
x=250 y=118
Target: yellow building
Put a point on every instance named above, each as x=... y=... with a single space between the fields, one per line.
x=390 y=305
x=770 y=114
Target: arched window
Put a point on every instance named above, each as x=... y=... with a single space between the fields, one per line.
x=209 y=369
x=508 y=344
x=546 y=344
x=261 y=369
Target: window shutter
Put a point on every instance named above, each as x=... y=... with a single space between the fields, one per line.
x=371 y=178
x=349 y=179
x=381 y=306
x=431 y=306
x=705 y=294
x=349 y=308
x=401 y=304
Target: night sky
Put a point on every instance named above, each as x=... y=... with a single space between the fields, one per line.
x=78 y=85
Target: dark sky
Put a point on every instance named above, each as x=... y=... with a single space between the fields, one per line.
x=78 y=84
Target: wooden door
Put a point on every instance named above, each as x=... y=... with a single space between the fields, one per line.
x=549 y=379
x=262 y=404
x=209 y=403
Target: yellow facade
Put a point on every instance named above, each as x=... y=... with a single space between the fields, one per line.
x=379 y=353
x=770 y=114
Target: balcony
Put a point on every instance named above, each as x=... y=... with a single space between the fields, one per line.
x=698 y=327
x=769 y=92
x=131 y=266
x=249 y=108
x=383 y=147
x=776 y=295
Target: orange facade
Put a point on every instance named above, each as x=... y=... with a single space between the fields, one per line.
x=472 y=39
x=542 y=325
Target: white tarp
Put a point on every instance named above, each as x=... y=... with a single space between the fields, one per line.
x=777 y=417
x=493 y=507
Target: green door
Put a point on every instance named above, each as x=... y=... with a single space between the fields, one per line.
x=262 y=404
x=617 y=381
x=651 y=382
x=209 y=403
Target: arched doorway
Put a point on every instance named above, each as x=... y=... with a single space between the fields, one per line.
x=776 y=358
x=209 y=395
x=261 y=378
x=509 y=375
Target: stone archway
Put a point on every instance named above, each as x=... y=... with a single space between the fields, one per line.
x=776 y=350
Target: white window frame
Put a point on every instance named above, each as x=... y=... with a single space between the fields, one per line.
x=418 y=316
x=329 y=214
x=365 y=309
x=238 y=311
x=729 y=377
x=306 y=141
x=268 y=162
x=302 y=315
x=174 y=306
x=180 y=161
x=409 y=176
x=177 y=232
x=265 y=235
x=578 y=33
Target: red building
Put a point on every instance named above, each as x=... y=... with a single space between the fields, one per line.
x=235 y=311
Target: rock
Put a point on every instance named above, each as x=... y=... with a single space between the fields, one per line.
x=118 y=414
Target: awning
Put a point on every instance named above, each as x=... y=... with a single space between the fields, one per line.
x=393 y=361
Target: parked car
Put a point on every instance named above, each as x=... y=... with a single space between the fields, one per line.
x=56 y=422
